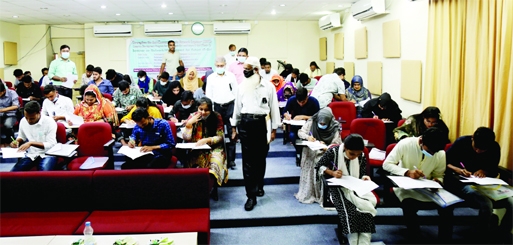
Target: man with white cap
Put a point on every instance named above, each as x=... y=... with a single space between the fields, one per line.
x=256 y=113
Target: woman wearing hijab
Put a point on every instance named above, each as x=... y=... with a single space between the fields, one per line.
x=358 y=93
x=287 y=71
x=281 y=86
x=313 y=70
x=321 y=127
x=205 y=127
x=383 y=108
x=356 y=213
x=94 y=107
x=172 y=94
x=191 y=81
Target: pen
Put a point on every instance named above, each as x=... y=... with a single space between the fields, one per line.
x=462 y=165
x=415 y=167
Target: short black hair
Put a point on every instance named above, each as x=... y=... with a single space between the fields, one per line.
x=187 y=95
x=295 y=71
x=180 y=69
x=26 y=73
x=17 y=72
x=263 y=61
x=139 y=114
x=43 y=70
x=301 y=94
x=64 y=46
x=82 y=90
x=164 y=75
x=26 y=79
x=435 y=139
x=483 y=138
x=431 y=112
x=98 y=69
x=141 y=73
x=245 y=50
x=303 y=78
x=2 y=87
x=170 y=41
x=48 y=89
x=267 y=63
x=123 y=85
x=340 y=71
x=32 y=107
x=110 y=74
x=143 y=102
x=354 y=142
x=127 y=79
x=89 y=67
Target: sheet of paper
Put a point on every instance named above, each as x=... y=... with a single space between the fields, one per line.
x=94 y=162
x=362 y=103
x=359 y=186
x=178 y=124
x=377 y=154
x=155 y=99
x=388 y=121
x=62 y=150
x=192 y=146
x=12 y=153
x=75 y=120
x=126 y=125
x=295 y=122
x=484 y=181
x=25 y=99
x=133 y=152
x=69 y=81
x=315 y=145
x=409 y=183
x=168 y=109
x=282 y=104
x=441 y=197
x=119 y=109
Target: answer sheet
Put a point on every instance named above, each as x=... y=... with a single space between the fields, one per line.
x=361 y=187
x=409 y=183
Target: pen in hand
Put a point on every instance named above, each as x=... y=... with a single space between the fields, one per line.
x=464 y=171
x=421 y=174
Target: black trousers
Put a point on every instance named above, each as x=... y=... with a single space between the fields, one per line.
x=253 y=138
x=147 y=161
x=226 y=111
x=66 y=92
x=410 y=208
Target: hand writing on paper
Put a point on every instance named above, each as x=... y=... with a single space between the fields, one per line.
x=414 y=174
x=465 y=172
x=202 y=142
x=385 y=119
x=365 y=177
x=24 y=147
x=337 y=173
x=70 y=123
x=147 y=148
x=287 y=116
x=480 y=173
x=375 y=117
x=311 y=139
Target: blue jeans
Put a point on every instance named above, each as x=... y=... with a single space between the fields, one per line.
x=43 y=164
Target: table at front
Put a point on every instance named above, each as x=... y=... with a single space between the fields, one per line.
x=178 y=238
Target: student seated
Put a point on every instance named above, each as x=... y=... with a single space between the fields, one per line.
x=320 y=127
x=420 y=157
x=95 y=108
x=283 y=89
x=36 y=135
x=141 y=102
x=183 y=108
x=152 y=135
x=27 y=90
x=114 y=77
x=416 y=124
x=173 y=94
x=206 y=127
x=356 y=214
x=358 y=93
x=383 y=108
x=179 y=74
x=126 y=96
x=56 y=106
x=104 y=85
x=8 y=105
x=145 y=83
x=191 y=81
x=299 y=107
x=306 y=82
x=161 y=86
x=313 y=70
x=478 y=155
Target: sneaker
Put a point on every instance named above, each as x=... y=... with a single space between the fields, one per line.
x=250 y=204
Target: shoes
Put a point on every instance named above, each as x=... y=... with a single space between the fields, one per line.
x=260 y=192
x=250 y=203
x=232 y=165
x=214 y=194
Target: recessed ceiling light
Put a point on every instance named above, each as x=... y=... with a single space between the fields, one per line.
x=273 y=12
x=118 y=14
x=221 y=12
x=223 y=5
x=169 y=13
x=163 y=5
x=340 y=5
x=103 y=6
x=44 y=8
x=15 y=16
x=282 y=5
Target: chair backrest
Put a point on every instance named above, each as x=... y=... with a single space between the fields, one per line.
x=20 y=100
x=9 y=84
x=401 y=122
x=318 y=78
x=161 y=109
x=173 y=129
x=91 y=138
x=61 y=133
x=345 y=111
x=370 y=129
x=390 y=148
x=447 y=146
x=107 y=96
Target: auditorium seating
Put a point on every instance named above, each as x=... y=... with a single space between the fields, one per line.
x=346 y=112
x=95 y=140
x=116 y=202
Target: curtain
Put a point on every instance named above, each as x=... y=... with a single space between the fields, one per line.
x=469 y=68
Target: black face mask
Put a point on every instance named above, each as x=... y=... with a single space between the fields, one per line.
x=287 y=96
x=248 y=74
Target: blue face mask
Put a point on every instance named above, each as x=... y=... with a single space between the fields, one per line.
x=427 y=154
x=220 y=70
x=322 y=126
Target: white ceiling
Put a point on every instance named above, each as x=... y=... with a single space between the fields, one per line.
x=90 y=11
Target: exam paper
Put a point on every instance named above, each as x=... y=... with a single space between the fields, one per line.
x=133 y=153
x=12 y=153
x=192 y=146
x=409 y=183
x=361 y=187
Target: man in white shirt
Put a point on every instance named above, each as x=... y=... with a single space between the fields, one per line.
x=37 y=135
x=230 y=57
x=267 y=73
x=420 y=157
x=171 y=59
x=330 y=86
x=60 y=69
x=256 y=100
x=222 y=89
x=56 y=106
x=88 y=75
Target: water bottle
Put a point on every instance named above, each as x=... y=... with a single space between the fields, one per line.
x=88 y=234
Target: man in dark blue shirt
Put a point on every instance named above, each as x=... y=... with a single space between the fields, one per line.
x=478 y=155
x=152 y=135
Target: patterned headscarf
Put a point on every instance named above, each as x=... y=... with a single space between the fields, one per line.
x=101 y=109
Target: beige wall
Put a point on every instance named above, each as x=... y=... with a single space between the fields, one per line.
x=32 y=48
x=413 y=16
x=8 y=32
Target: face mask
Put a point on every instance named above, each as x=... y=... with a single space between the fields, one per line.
x=163 y=83
x=232 y=53
x=219 y=70
x=287 y=96
x=248 y=74
x=65 y=55
x=186 y=106
x=241 y=59
x=142 y=79
x=427 y=154
x=55 y=99
x=322 y=126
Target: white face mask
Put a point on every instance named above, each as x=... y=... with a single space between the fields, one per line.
x=232 y=53
x=241 y=59
x=65 y=55
x=142 y=79
x=163 y=83
x=186 y=106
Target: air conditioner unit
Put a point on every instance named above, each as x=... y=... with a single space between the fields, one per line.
x=329 y=21
x=232 y=28
x=365 y=9
x=163 y=29
x=113 y=31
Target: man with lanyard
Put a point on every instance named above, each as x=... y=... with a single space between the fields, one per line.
x=256 y=100
x=60 y=68
x=225 y=86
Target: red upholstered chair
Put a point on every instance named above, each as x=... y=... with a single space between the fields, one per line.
x=372 y=130
x=447 y=146
x=318 y=78
x=401 y=122
x=94 y=139
x=345 y=111
x=61 y=133
x=161 y=109
x=9 y=84
x=203 y=78
x=107 y=96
